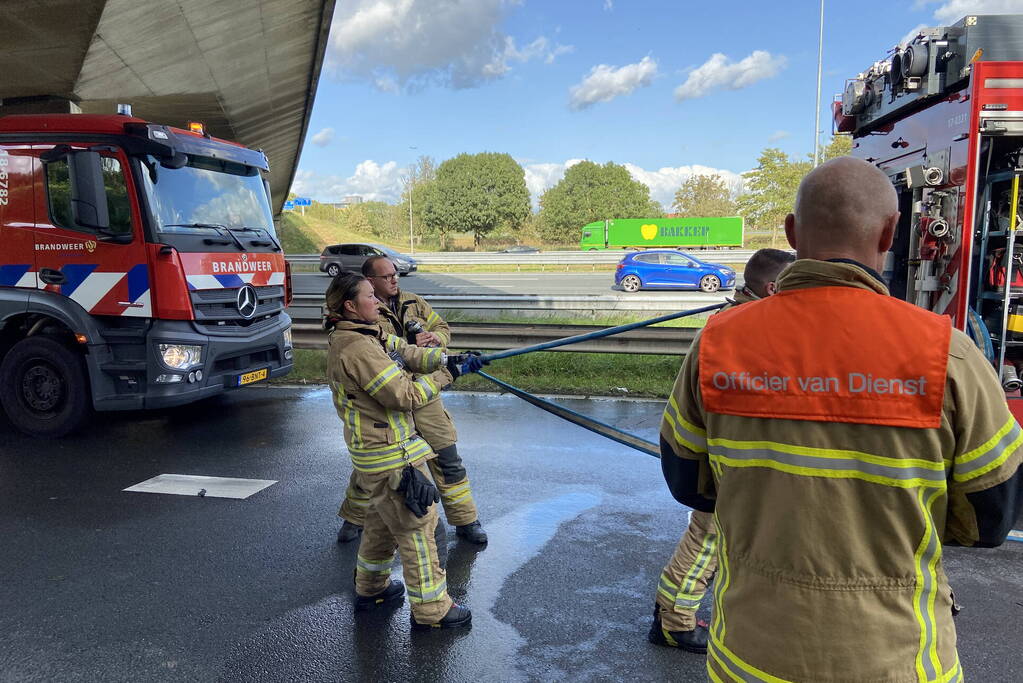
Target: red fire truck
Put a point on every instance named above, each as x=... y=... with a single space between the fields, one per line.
x=139 y=268
x=943 y=117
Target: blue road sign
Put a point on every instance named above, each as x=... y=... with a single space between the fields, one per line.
x=289 y=206
x=302 y=201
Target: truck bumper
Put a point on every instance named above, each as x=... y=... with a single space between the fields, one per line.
x=224 y=361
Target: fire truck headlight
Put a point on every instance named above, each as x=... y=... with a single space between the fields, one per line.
x=287 y=338
x=180 y=356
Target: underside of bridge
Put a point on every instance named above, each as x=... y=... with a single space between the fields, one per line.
x=248 y=69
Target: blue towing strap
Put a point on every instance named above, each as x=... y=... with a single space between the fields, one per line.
x=595 y=426
x=613 y=433
x=598 y=334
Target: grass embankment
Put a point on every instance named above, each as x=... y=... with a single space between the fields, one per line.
x=309 y=234
x=587 y=374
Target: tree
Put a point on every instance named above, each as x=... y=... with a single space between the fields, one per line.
x=770 y=189
x=421 y=174
x=476 y=193
x=702 y=195
x=840 y=146
x=591 y=192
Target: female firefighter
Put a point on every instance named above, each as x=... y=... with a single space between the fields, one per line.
x=370 y=376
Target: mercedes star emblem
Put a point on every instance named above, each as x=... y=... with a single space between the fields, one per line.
x=247 y=301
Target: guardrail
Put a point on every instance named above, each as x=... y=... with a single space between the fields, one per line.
x=500 y=336
x=307 y=330
x=453 y=258
x=308 y=306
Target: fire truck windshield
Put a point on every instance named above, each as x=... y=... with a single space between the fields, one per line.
x=205 y=197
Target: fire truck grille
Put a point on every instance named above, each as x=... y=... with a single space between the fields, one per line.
x=216 y=310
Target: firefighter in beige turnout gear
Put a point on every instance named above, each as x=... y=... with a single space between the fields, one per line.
x=684 y=580
x=837 y=455
x=375 y=397
x=432 y=421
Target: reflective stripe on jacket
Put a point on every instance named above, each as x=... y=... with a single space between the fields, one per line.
x=375 y=396
x=831 y=525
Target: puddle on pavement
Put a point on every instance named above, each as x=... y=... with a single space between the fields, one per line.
x=515 y=539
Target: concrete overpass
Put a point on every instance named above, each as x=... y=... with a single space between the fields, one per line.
x=246 y=68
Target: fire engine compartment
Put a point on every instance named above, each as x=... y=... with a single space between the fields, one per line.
x=943 y=117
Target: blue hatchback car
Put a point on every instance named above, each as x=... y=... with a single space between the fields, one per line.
x=671 y=269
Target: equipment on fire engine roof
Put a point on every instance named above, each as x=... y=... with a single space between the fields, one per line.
x=935 y=62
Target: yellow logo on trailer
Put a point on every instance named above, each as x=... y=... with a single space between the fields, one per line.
x=649 y=231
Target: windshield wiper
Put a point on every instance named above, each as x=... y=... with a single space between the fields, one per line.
x=276 y=244
x=209 y=226
x=213 y=226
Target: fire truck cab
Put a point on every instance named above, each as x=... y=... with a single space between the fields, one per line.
x=139 y=268
x=943 y=117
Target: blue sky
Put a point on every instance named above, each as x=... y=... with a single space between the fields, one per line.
x=667 y=88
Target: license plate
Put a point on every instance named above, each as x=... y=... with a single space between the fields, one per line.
x=255 y=376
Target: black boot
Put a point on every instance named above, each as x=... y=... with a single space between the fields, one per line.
x=348 y=532
x=394 y=594
x=456 y=617
x=473 y=533
x=691 y=641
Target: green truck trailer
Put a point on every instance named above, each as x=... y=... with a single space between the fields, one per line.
x=620 y=233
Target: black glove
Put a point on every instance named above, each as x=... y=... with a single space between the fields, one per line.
x=420 y=493
x=453 y=364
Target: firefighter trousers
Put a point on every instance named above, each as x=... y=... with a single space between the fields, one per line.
x=684 y=580
x=434 y=424
x=388 y=526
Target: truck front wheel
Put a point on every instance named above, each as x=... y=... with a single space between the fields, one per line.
x=43 y=387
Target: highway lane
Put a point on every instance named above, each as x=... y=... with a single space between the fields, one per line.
x=551 y=284
x=102 y=584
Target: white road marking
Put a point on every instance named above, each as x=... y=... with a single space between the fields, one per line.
x=191 y=485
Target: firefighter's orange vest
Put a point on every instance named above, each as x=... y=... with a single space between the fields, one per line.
x=828 y=354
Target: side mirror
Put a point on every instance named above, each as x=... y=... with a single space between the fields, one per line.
x=88 y=194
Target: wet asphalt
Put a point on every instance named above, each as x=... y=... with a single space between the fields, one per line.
x=105 y=585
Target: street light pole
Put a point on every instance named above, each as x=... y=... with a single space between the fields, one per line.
x=817 y=116
x=411 y=242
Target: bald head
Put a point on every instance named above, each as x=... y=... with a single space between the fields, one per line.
x=845 y=208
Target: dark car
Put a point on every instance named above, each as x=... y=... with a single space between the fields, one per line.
x=520 y=249
x=350 y=257
x=670 y=269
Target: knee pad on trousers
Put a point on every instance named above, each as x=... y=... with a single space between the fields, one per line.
x=450 y=464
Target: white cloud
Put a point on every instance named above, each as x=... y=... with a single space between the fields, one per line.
x=323 y=138
x=952 y=11
x=609 y=5
x=663 y=182
x=541 y=176
x=779 y=135
x=604 y=83
x=398 y=43
x=380 y=182
x=719 y=73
